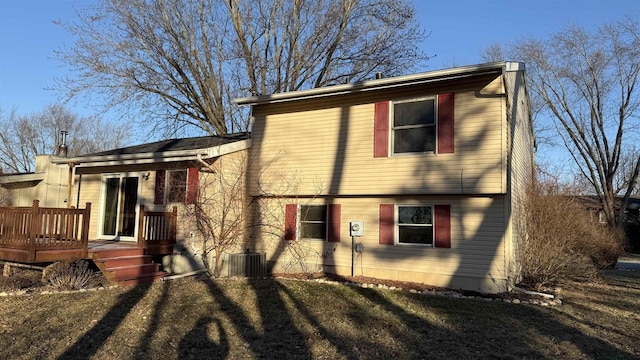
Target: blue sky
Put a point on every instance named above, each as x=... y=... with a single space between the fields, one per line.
x=460 y=30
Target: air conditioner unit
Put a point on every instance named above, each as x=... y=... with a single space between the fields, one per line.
x=247 y=265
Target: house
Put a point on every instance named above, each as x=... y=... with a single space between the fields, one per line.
x=415 y=178
x=155 y=175
x=431 y=167
x=135 y=191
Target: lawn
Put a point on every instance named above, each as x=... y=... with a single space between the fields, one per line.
x=277 y=318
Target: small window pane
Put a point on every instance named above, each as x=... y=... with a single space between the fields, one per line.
x=414 y=215
x=414 y=140
x=313 y=213
x=415 y=235
x=313 y=231
x=414 y=113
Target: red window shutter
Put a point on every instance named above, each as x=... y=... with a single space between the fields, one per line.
x=445 y=123
x=387 y=222
x=381 y=129
x=158 y=195
x=192 y=185
x=290 y=221
x=443 y=226
x=333 y=223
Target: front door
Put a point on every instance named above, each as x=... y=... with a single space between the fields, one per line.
x=120 y=200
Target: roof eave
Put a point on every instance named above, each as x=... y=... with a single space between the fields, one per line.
x=18 y=178
x=380 y=84
x=155 y=157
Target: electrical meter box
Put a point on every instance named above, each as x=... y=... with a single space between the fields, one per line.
x=356 y=228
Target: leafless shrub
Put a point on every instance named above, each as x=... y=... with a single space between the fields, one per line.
x=564 y=240
x=71 y=275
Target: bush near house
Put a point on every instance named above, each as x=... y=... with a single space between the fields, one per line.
x=71 y=275
x=564 y=241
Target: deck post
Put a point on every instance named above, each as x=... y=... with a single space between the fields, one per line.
x=86 y=217
x=32 y=237
x=141 y=219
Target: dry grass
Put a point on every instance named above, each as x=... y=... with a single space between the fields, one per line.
x=199 y=318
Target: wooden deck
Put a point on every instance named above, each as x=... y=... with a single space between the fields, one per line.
x=38 y=235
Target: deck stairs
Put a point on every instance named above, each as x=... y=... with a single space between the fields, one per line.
x=126 y=266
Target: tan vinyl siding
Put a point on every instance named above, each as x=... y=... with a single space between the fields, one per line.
x=474 y=260
x=20 y=194
x=90 y=186
x=51 y=191
x=520 y=148
x=329 y=150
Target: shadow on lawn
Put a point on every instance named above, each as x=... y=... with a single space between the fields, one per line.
x=279 y=337
x=95 y=338
x=357 y=323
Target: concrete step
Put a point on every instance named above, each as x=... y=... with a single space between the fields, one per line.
x=141 y=279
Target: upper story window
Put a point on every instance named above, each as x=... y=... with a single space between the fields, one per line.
x=415 y=224
x=176 y=185
x=414 y=126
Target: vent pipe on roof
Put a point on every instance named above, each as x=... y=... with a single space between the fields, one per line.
x=62 y=148
x=379 y=75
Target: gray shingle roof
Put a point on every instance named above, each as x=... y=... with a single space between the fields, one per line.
x=193 y=143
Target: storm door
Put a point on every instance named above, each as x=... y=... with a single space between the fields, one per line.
x=120 y=200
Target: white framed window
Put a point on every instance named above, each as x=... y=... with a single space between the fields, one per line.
x=312 y=222
x=414 y=225
x=176 y=186
x=413 y=125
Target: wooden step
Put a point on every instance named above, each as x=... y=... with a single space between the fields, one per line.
x=113 y=262
x=111 y=253
x=126 y=266
x=127 y=272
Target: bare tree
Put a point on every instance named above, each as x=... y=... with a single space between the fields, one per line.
x=220 y=214
x=545 y=133
x=588 y=84
x=182 y=62
x=39 y=133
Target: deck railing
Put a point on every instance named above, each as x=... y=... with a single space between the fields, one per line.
x=157 y=228
x=33 y=229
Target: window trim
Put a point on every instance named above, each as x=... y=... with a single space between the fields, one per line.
x=396 y=225
x=299 y=222
x=392 y=128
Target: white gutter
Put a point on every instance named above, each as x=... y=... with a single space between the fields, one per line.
x=155 y=157
x=382 y=84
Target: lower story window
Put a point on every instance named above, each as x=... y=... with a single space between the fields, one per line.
x=176 y=185
x=415 y=224
x=313 y=222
